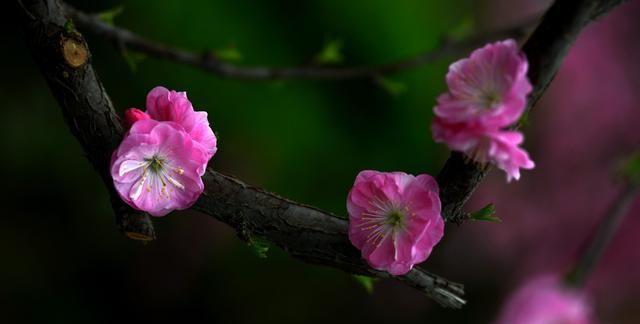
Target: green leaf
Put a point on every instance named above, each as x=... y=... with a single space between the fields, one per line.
x=133 y=58
x=331 y=53
x=486 y=213
x=366 y=282
x=260 y=247
x=229 y=54
x=394 y=88
x=630 y=168
x=109 y=15
x=69 y=26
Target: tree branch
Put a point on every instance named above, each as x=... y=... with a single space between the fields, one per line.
x=459 y=177
x=63 y=59
x=305 y=232
x=545 y=50
x=603 y=234
x=123 y=38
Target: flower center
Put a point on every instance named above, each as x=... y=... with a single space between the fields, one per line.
x=395 y=218
x=156 y=174
x=490 y=99
x=155 y=163
x=383 y=219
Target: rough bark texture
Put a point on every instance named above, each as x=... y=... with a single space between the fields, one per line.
x=64 y=59
x=305 y=232
x=458 y=179
x=545 y=50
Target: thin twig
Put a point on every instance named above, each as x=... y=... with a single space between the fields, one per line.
x=124 y=38
x=603 y=234
x=304 y=232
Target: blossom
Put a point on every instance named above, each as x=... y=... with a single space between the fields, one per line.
x=132 y=115
x=169 y=105
x=487 y=93
x=544 y=300
x=490 y=87
x=394 y=219
x=156 y=168
x=485 y=145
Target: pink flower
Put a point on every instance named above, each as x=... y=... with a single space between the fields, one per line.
x=169 y=105
x=132 y=115
x=487 y=92
x=490 y=87
x=156 y=168
x=545 y=300
x=481 y=144
x=394 y=219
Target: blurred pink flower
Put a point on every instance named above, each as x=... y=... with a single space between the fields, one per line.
x=169 y=105
x=132 y=115
x=394 y=219
x=584 y=126
x=155 y=169
x=487 y=92
x=544 y=300
x=499 y=147
x=489 y=88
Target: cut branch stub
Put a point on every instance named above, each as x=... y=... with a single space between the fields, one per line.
x=63 y=58
x=74 y=49
x=304 y=232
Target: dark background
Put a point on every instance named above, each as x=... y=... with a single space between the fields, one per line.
x=63 y=261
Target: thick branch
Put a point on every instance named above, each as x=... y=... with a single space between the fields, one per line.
x=603 y=234
x=545 y=50
x=304 y=232
x=124 y=38
x=63 y=58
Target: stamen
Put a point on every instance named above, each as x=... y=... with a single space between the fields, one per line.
x=156 y=163
x=175 y=182
x=383 y=219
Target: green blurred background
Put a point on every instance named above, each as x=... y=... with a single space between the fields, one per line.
x=63 y=261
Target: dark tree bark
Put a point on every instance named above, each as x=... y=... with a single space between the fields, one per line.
x=64 y=59
x=309 y=234
x=305 y=232
x=545 y=50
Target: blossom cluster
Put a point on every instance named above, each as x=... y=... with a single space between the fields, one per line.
x=487 y=94
x=394 y=218
x=158 y=167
